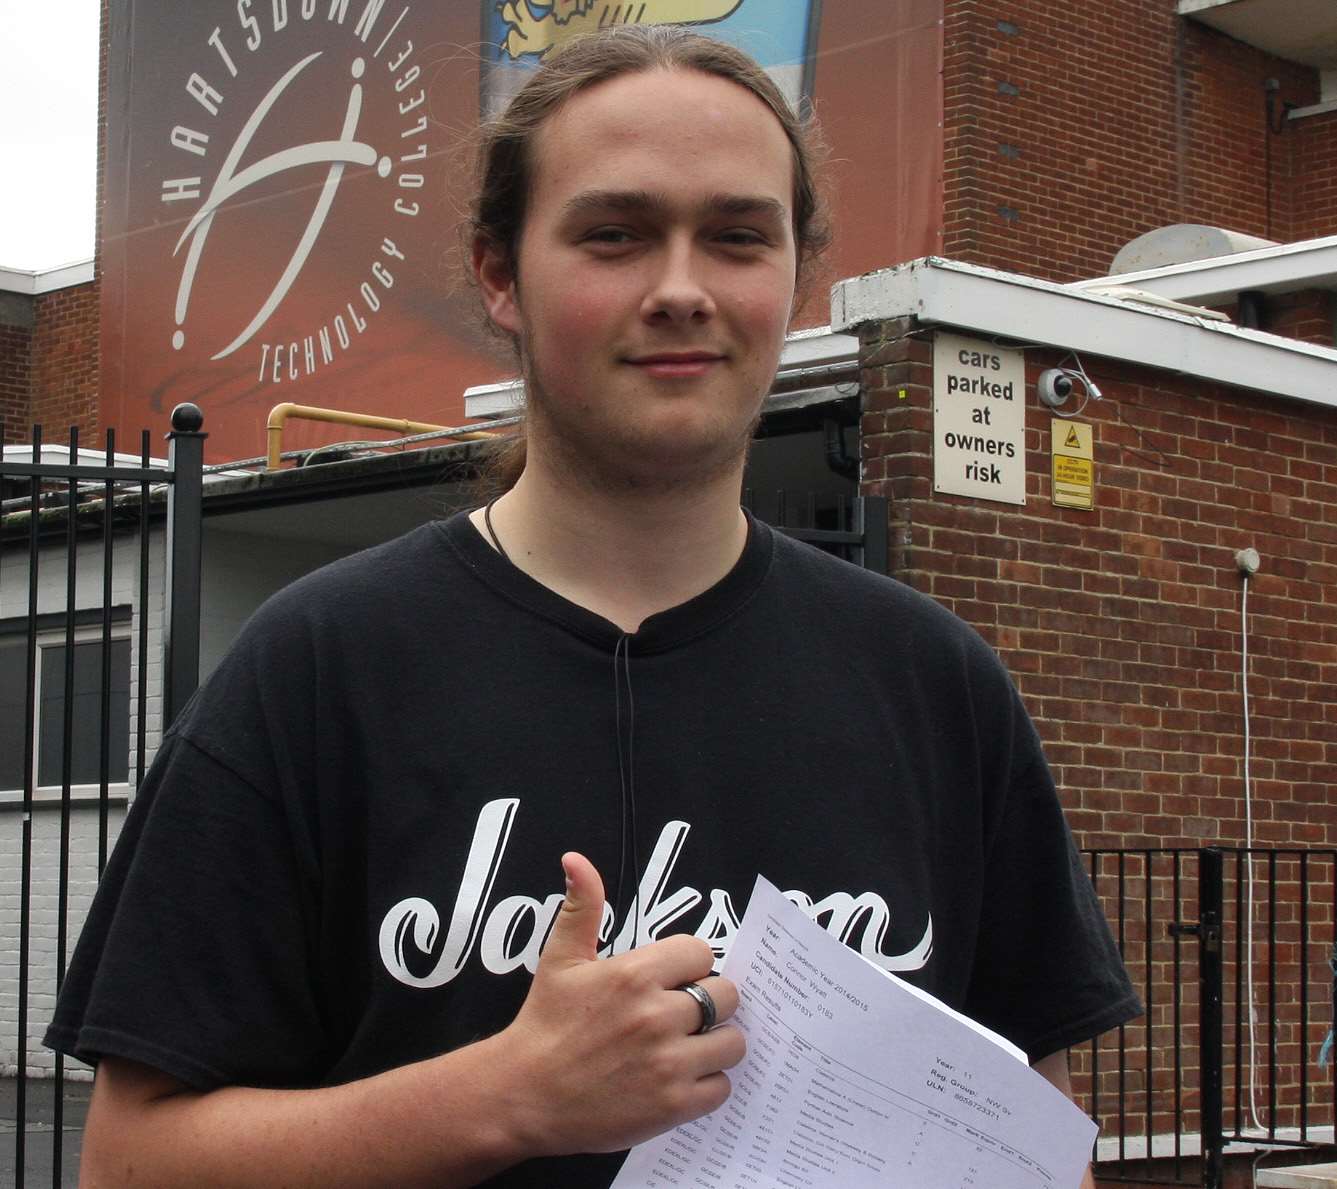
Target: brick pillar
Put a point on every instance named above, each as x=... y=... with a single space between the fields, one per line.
x=895 y=433
x=65 y=362
x=16 y=321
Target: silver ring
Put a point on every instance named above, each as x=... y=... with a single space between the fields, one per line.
x=704 y=1002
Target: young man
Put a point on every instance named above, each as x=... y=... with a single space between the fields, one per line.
x=316 y=956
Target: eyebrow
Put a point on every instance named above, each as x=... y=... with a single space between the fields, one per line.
x=645 y=201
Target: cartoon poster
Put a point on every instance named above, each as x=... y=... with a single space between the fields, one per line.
x=779 y=34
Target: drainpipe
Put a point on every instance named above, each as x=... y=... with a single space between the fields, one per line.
x=280 y=415
x=1251 y=308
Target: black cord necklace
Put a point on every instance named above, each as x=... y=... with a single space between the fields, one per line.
x=626 y=763
x=492 y=532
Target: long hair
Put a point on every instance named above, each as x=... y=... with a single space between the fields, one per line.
x=505 y=156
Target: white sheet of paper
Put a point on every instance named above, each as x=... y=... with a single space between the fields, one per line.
x=852 y=1079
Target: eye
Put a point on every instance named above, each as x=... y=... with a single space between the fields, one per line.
x=609 y=235
x=742 y=237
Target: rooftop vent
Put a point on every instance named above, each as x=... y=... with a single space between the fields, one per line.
x=1181 y=243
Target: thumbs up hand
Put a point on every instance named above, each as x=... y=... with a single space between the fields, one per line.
x=575 y=934
x=605 y=1051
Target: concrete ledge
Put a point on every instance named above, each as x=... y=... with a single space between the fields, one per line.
x=991 y=304
x=1299 y=1176
x=47 y=280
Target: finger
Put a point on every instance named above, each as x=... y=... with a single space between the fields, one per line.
x=689 y=1013
x=575 y=934
x=720 y=1048
x=672 y=961
x=709 y=1094
x=725 y=993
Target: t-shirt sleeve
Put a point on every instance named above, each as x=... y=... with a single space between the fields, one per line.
x=194 y=959
x=1047 y=973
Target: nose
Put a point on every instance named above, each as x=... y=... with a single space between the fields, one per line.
x=678 y=292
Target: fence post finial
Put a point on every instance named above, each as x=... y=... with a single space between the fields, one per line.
x=181 y=637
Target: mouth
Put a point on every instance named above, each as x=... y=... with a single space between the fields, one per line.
x=676 y=364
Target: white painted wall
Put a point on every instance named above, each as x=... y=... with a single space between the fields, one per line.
x=246 y=557
x=43 y=922
x=240 y=571
x=46 y=817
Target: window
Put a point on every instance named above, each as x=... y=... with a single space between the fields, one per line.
x=85 y=757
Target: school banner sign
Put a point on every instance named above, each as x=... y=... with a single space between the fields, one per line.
x=284 y=181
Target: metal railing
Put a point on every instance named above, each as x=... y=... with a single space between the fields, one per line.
x=53 y=509
x=1232 y=952
x=852 y=527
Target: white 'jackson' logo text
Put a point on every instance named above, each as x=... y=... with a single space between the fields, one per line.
x=510 y=934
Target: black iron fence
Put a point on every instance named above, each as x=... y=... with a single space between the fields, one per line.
x=81 y=629
x=1232 y=951
x=76 y=616
x=852 y=527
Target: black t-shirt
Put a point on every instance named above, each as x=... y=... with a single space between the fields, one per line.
x=345 y=857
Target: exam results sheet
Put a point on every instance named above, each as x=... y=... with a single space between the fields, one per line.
x=853 y=1078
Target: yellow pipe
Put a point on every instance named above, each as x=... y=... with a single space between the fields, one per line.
x=281 y=414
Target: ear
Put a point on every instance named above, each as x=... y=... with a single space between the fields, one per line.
x=802 y=290
x=495 y=272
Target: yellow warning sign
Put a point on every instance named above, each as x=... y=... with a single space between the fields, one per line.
x=1072 y=448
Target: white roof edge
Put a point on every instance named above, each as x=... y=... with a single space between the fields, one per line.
x=46 y=280
x=57 y=455
x=987 y=302
x=1310 y=262
x=1314 y=109
x=812 y=347
x=51 y=454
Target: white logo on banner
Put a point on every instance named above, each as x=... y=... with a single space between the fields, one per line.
x=283 y=361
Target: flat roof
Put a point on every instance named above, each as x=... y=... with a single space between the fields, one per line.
x=1302 y=31
x=1281 y=268
x=30 y=283
x=987 y=302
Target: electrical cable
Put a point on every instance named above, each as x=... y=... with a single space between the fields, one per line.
x=874 y=360
x=1248 y=860
x=1093 y=392
x=1161 y=461
x=1089 y=388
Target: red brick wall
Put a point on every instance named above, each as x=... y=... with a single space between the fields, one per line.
x=65 y=362
x=1070 y=129
x=1306 y=314
x=1122 y=625
x=15 y=383
x=1316 y=178
x=104 y=49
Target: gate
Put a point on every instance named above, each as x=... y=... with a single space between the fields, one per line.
x=75 y=671
x=1233 y=952
x=854 y=528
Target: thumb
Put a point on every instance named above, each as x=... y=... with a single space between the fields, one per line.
x=575 y=934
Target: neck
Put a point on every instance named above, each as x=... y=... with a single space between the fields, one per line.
x=624 y=555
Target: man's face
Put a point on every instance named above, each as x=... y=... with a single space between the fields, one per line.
x=655 y=277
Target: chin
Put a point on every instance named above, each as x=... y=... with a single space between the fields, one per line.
x=683 y=461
